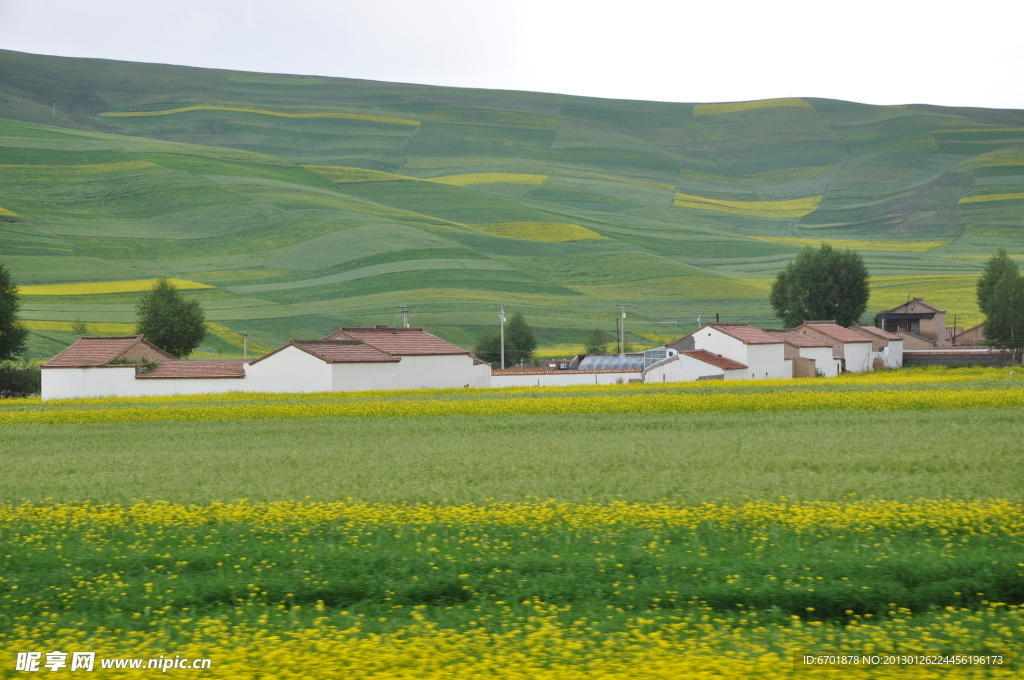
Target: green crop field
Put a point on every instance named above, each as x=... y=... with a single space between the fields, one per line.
x=311 y=202
x=524 y=532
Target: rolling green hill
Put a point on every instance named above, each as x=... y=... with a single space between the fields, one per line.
x=305 y=202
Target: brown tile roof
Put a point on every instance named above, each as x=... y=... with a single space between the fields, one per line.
x=338 y=351
x=398 y=341
x=196 y=369
x=834 y=331
x=877 y=332
x=714 y=359
x=918 y=301
x=745 y=333
x=535 y=370
x=797 y=339
x=91 y=351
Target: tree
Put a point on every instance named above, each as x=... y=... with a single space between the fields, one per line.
x=520 y=343
x=488 y=348
x=173 y=324
x=79 y=327
x=1001 y=298
x=998 y=265
x=821 y=284
x=597 y=342
x=13 y=335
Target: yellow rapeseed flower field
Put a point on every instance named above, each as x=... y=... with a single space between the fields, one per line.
x=103 y=287
x=988 y=198
x=263 y=112
x=797 y=207
x=548 y=232
x=491 y=178
x=8 y=213
x=119 y=612
x=735 y=107
x=881 y=246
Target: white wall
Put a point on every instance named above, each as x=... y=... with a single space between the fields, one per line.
x=77 y=383
x=417 y=372
x=768 y=361
x=290 y=370
x=564 y=379
x=369 y=376
x=681 y=368
x=717 y=342
x=858 y=356
x=824 y=362
x=895 y=358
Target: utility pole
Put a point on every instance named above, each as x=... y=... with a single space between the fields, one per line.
x=405 y=309
x=622 y=327
x=699 y=312
x=245 y=344
x=501 y=315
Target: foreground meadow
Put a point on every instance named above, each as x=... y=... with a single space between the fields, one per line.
x=711 y=530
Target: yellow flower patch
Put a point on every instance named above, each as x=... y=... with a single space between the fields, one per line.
x=103 y=287
x=880 y=246
x=736 y=107
x=491 y=178
x=797 y=207
x=263 y=112
x=549 y=232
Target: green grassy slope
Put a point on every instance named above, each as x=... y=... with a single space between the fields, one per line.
x=309 y=201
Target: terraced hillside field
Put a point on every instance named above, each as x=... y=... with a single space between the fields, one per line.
x=290 y=204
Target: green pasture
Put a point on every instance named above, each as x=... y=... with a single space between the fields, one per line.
x=223 y=197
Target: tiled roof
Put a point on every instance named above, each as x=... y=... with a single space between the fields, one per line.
x=918 y=301
x=534 y=370
x=196 y=369
x=797 y=339
x=834 y=331
x=746 y=334
x=397 y=341
x=90 y=351
x=877 y=332
x=344 y=351
x=714 y=359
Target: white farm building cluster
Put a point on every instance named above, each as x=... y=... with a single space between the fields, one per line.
x=386 y=358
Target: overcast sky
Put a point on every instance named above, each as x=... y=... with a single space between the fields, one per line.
x=879 y=52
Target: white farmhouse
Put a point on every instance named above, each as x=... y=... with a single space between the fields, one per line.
x=427 y=360
x=695 y=364
x=323 y=366
x=375 y=358
x=762 y=353
x=811 y=357
x=852 y=348
x=886 y=347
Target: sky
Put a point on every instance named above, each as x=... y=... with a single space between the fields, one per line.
x=876 y=52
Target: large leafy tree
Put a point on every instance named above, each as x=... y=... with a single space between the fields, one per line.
x=173 y=324
x=13 y=335
x=998 y=266
x=821 y=283
x=1001 y=299
x=520 y=343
